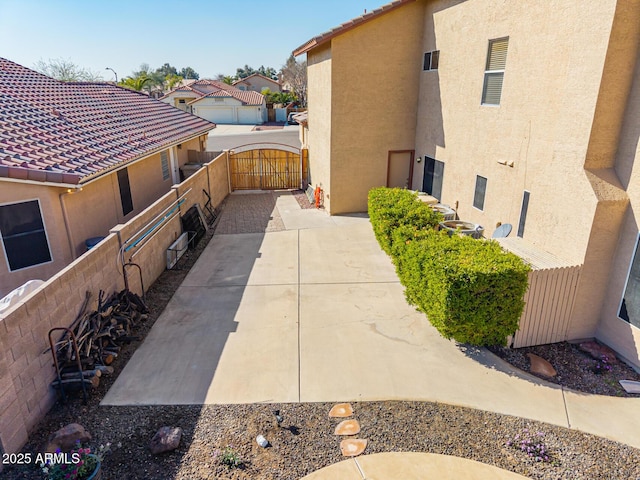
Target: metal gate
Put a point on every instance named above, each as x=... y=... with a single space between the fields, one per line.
x=265 y=169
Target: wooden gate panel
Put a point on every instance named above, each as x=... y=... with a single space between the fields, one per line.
x=265 y=169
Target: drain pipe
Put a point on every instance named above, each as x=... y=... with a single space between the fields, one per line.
x=65 y=218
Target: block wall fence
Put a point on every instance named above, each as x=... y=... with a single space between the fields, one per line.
x=26 y=366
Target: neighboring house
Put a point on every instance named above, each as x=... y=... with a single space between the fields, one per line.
x=77 y=159
x=525 y=113
x=218 y=102
x=257 y=83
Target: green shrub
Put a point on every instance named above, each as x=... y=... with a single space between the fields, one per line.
x=471 y=290
x=390 y=208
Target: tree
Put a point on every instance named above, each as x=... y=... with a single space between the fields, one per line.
x=135 y=83
x=294 y=74
x=228 y=79
x=268 y=72
x=244 y=72
x=189 y=73
x=171 y=81
x=166 y=70
x=66 y=70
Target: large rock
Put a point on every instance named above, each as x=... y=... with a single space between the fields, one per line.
x=598 y=351
x=347 y=427
x=540 y=366
x=341 y=410
x=67 y=437
x=165 y=440
x=352 y=447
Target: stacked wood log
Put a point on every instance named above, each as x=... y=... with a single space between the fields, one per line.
x=100 y=335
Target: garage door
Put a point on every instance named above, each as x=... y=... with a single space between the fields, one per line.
x=216 y=114
x=247 y=115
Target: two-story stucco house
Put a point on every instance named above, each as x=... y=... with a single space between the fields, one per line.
x=218 y=102
x=525 y=113
x=257 y=82
x=77 y=159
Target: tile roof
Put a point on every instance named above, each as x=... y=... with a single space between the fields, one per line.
x=255 y=75
x=70 y=132
x=212 y=88
x=339 y=30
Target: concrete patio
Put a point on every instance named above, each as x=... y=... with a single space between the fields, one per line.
x=312 y=311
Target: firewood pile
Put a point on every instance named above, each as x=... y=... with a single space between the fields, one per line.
x=100 y=335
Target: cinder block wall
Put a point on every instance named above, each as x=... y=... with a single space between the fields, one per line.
x=26 y=367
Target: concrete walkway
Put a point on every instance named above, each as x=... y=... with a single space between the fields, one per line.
x=312 y=311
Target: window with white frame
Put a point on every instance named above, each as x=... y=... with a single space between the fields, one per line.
x=164 y=160
x=494 y=71
x=629 y=310
x=24 y=237
x=431 y=60
x=480 y=191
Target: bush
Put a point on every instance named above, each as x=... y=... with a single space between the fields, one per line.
x=471 y=290
x=390 y=208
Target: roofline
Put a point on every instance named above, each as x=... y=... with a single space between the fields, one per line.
x=36 y=182
x=350 y=25
x=253 y=75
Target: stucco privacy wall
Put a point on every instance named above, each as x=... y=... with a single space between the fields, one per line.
x=319 y=100
x=25 y=369
x=382 y=58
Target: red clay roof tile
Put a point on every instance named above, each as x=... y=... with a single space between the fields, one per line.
x=72 y=132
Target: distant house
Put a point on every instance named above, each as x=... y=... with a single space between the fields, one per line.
x=76 y=159
x=446 y=97
x=257 y=83
x=218 y=102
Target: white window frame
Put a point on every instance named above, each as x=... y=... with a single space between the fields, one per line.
x=488 y=73
x=46 y=236
x=626 y=283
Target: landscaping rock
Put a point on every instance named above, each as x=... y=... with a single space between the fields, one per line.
x=165 y=440
x=540 y=366
x=597 y=351
x=67 y=437
x=347 y=427
x=352 y=447
x=341 y=410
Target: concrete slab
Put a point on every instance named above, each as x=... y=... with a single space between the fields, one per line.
x=340 y=357
x=342 y=255
x=247 y=259
x=428 y=465
x=221 y=344
x=614 y=418
x=345 y=470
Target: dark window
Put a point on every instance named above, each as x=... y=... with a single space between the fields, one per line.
x=23 y=235
x=630 y=306
x=125 y=191
x=523 y=213
x=164 y=159
x=481 y=190
x=431 y=60
x=494 y=71
x=432 y=179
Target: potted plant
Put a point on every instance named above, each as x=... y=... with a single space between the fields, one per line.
x=79 y=464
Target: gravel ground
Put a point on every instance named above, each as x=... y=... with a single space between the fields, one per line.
x=305 y=440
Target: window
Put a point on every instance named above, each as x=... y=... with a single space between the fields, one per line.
x=164 y=159
x=494 y=72
x=523 y=213
x=432 y=179
x=218 y=99
x=481 y=189
x=24 y=237
x=182 y=101
x=431 y=60
x=125 y=191
x=630 y=305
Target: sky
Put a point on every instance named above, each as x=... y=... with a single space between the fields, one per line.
x=211 y=36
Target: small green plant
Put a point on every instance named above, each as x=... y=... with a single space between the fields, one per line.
x=531 y=444
x=229 y=457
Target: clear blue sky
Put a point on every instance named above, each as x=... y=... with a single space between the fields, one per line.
x=211 y=36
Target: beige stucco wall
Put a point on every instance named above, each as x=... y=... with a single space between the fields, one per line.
x=375 y=79
x=320 y=88
x=182 y=152
x=257 y=84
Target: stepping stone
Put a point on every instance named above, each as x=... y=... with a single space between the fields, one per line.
x=347 y=427
x=540 y=366
x=352 y=447
x=630 y=386
x=341 y=410
x=597 y=351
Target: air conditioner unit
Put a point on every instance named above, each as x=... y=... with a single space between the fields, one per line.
x=462 y=228
x=447 y=212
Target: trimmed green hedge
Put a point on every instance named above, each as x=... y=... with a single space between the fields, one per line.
x=390 y=208
x=471 y=290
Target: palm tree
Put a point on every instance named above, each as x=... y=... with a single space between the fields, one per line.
x=135 y=83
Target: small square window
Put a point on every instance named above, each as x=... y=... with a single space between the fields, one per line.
x=481 y=190
x=431 y=60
